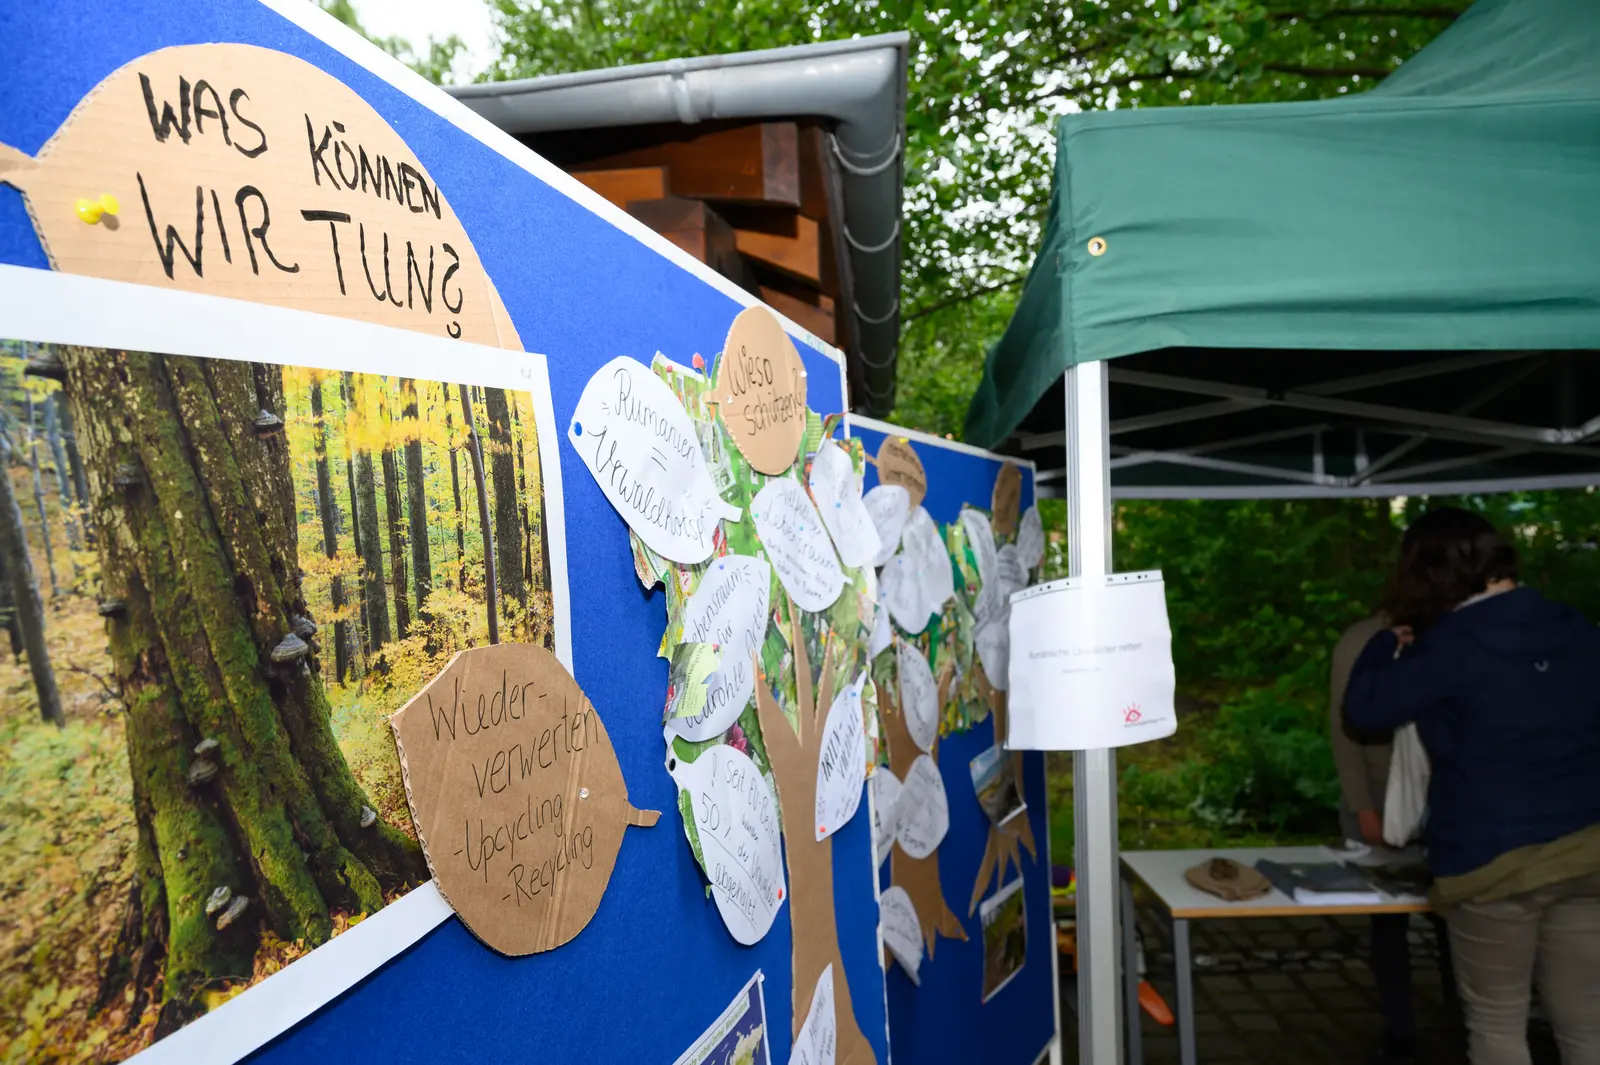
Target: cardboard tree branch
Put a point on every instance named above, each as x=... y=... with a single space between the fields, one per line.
x=517 y=795
x=1005 y=841
x=793 y=752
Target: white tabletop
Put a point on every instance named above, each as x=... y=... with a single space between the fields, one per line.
x=1162 y=872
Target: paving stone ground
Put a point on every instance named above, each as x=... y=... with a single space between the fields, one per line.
x=1271 y=991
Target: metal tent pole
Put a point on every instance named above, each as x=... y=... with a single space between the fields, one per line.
x=1094 y=773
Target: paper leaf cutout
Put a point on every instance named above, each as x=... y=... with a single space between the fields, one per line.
x=902 y=931
x=980 y=537
x=761 y=386
x=1030 y=539
x=797 y=544
x=898 y=464
x=818 y=1040
x=919 y=695
x=1007 y=499
x=836 y=490
x=640 y=445
x=842 y=766
x=516 y=793
x=224 y=174
x=889 y=505
x=736 y=822
x=882 y=628
x=993 y=643
x=885 y=811
x=924 y=809
x=728 y=609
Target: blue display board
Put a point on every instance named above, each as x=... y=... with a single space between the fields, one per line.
x=945 y=1018
x=656 y=965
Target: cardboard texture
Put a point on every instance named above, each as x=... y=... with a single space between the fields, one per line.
x=761 y=387
x=898 y=464
x=240 y=171
x=518 y=799
x=1007 y=501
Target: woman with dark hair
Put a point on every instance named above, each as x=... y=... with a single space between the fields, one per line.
x=1504 y=687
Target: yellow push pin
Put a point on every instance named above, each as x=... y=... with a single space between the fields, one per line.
x=91 y=211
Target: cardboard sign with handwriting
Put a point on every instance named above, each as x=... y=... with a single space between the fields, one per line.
x=240 y=171
x=761 y=386
x=518 y=799
x=898 y=464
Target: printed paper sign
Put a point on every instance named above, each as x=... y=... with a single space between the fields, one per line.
x=885 y=811
x=516 y=793
x=728 y=610
x=924 y=809
x=980 y=537
x=641 y=446
x=889 y=505
x=842 y=765
x=1005 y=937
x=994 y=778
x=1091 y=664
x=837 y=492
x=761 y=386
x=817 y=1043
x=1030 y=539
x=919 y=695
x=1007 y=499
x=898 y=464
x=902 y=931
x=738 y=1036
x=797 y=544
x=736 y=822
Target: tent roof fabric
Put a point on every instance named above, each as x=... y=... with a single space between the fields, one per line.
x=1455 y=208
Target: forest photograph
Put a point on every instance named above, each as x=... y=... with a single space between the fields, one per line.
x=218 y=579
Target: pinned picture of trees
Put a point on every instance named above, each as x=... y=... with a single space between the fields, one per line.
x=217 y=580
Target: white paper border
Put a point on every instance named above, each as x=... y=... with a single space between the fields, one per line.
x=56 y=308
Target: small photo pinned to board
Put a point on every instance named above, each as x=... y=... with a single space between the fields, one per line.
x=994 y=778
x=1005 y=937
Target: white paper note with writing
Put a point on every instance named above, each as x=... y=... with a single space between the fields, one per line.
x=902 y=931
x=640 y=444
x=736 y=822
x=1091 y=664
x=993 y=641
x=919 y=695
x=817 y=1043
x=924 y=551
x=837 y=492
x=728 y=609
x=924 y=809
x=1030 y=539
x=980 y=537
x=882 y=630
x=885 y=811
x=902 y=594
x=889 y=505
x=797 y=544
x=842 y=765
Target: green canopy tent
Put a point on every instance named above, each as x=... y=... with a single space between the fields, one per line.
x=1383 y=294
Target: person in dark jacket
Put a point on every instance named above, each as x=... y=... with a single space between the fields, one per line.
x=1504 y=688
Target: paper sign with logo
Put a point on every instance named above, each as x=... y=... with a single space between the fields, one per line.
x=1091 y=664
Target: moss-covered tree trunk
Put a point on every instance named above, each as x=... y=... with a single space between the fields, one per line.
x=491 y=583
x=375 y=602
x=238 y=781
x=26 y=618
x=8 y=610
x=455 y=488
x=507 y=520
x=329 y=513
x=397 y=544
x=361 y=644
x=417 y=502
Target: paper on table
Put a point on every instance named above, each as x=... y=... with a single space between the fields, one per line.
x=902 y=931
x=837 y=492
x=889 y=505
x=842 y=764
x=761 y=387
x=817 y=1043
x=1091 y=664
x=898 y=464
x=1030 y=539
x=981 y=539
x=924 y=809
x=640 y=444
x=736 y=822
x=882 y=629
x=797 y=544
x=517 y=795
x=728 y=609
x=738 y=1036
x=885 y=811
x=919 y=695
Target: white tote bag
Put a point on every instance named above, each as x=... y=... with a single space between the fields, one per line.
x=1405 y=802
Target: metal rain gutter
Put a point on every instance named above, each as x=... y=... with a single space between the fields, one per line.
x=859 y=84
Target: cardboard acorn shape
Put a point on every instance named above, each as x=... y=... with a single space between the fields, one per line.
x=245 y=172
x=1006 y=502
x=761 y=387
x=898 y=464
x=517 y=796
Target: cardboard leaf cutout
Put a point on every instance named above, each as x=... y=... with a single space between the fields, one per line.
x=194 y=162
x=761 y=387
x=639 y=443
x=517 y=796
x=1007 y=499
x=898 y=464
x=836 y=490
x=797 y=544
x=889 y=505
x=728 y=609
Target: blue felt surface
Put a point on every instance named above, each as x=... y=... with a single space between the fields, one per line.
x=656 y=965
x=945 y=1019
